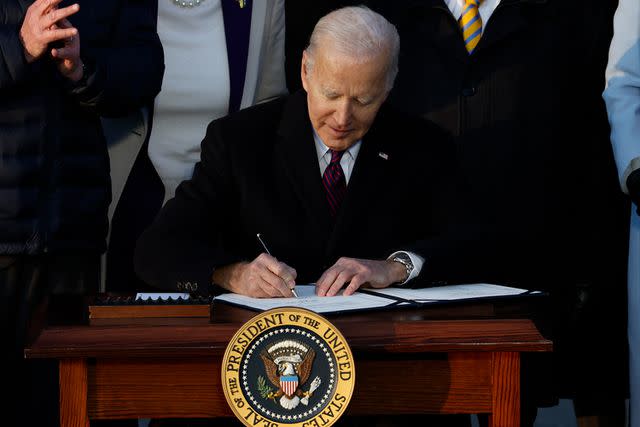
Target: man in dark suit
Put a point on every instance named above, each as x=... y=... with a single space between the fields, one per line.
x=525 y=111
x=330 y=177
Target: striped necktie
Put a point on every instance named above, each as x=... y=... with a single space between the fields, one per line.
x=471 y=25
x=334 y=182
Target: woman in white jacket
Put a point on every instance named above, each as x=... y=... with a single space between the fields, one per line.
x=220 y=56
x=622 y=96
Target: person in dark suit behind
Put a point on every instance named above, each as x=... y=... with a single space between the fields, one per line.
x=62 y=65
x=273 y=168
x=522 y=103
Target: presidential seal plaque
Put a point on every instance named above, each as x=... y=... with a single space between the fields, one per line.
x=288 y=366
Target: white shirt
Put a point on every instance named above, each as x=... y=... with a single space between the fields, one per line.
x=195 y=88
x=486 y=9
x=347 y=162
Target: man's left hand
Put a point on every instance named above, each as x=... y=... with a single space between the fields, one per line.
x=68 y=57
x=352 y=273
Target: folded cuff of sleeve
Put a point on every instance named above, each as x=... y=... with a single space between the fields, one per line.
x=417 y=262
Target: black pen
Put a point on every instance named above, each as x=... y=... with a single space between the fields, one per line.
x=293 y=291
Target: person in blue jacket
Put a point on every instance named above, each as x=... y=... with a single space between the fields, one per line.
x=622 y=96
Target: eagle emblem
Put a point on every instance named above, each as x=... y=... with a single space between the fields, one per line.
x=288 y=366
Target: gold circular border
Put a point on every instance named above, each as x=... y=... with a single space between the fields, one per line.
x=291 y=316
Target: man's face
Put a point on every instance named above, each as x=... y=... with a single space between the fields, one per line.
x=343 y=97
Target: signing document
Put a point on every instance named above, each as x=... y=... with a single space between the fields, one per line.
x=366 y=299
x=308 y=299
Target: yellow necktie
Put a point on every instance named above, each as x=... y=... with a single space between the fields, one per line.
x=471 y=25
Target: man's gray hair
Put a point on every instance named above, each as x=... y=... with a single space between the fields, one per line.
x=359 y=33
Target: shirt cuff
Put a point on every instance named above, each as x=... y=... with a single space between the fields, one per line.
x=416 y=260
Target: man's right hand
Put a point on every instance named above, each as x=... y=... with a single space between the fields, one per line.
x=264 y=277
x=39 y=29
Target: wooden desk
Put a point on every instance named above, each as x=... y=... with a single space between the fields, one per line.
x=457 y=359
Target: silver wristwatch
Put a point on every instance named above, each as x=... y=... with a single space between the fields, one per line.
x=405 y=260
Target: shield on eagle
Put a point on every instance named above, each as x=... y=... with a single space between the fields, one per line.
x=289 y=384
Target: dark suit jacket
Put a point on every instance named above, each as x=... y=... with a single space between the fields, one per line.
x=259 y=173
x=529 y=124
x=531 y=133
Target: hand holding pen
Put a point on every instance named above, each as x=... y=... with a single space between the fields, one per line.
x=284 y=275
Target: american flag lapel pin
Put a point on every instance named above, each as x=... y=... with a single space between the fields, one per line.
x=385 y=156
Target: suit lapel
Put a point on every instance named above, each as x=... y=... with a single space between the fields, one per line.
x=436 y=23
x=237 y=26
x=371 y=169
x=299 y=161
x=512 y=19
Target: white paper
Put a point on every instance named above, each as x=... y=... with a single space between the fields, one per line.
x=452 y=292
x=145 y=296
x=308 y=299
x=385 y=297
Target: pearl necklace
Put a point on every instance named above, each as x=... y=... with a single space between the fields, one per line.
x=186 y=3
x=194 y=3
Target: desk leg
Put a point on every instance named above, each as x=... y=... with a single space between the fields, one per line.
x=73 y=393
x=505 y=377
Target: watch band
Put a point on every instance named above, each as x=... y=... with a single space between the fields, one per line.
x=405 y=260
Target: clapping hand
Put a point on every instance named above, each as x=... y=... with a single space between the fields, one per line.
x=68 y=56
x=44 y=24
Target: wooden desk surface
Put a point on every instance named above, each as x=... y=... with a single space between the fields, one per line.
x=460 y=358
x=466 y=327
